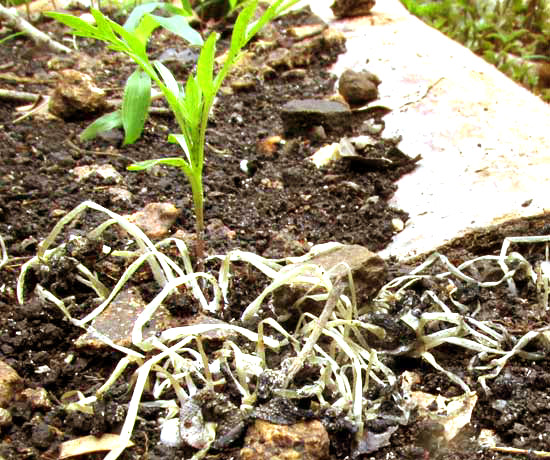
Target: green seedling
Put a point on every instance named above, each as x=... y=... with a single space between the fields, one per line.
x=191 y=105
x=137 y=92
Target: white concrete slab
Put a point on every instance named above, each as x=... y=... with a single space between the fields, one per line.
x=484 y=139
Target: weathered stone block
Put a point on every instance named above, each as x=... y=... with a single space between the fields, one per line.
x=299 y=116
x=304 y=440
x=367 y=268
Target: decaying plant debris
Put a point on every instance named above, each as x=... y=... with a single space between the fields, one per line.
x=350 y=350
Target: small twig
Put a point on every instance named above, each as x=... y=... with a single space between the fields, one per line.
x=18 y=95
x=40 y=105
x=39 y=37
x=10 y=77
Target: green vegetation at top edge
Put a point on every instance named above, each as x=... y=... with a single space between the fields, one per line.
x=511 y=34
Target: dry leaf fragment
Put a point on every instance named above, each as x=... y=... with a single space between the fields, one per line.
x=87 y=444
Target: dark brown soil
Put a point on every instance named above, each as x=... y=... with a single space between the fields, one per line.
x=307 y=206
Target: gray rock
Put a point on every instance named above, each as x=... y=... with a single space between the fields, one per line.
x=358 y=87
x=299 y=116
x=367 y=268
x=156 y=219
x=179 y=60
x=306 y=31
x=10 y=384
x=318 y=133
x=283 y=243
x=106 y=173
x=42 y=435
x=37 y=397
x=351 y=8
x=280 y=58
x=294 y=74
x=119 y=195
x=117 y=321
x=243 y=84
x=112 y=136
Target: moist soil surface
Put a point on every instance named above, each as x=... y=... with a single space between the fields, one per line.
x=277 y=206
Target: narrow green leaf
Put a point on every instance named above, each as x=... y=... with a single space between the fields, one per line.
x=104 y=25
x=283 y=6
x=146 y=27
x=185 y=10
x=135 y=104
x=133 y=42
x=186 y=6
x=192 y=104
x=78 y=26
x=238 y=39
x=146 y=164
x=11 y=36
x=178 y=162
x=104 y=123
x=182 y=141
x=138 y=12
x=180 y=26
x=168 y=78
x=239 y=29
x=193 y=95
x=205 y=65
x=272 y=11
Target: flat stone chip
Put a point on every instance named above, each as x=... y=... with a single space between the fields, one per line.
x=118 y=319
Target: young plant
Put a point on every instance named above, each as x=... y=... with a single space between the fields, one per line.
x=137 y=91
x=191 y=105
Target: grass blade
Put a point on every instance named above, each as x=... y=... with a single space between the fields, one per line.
x=137 y=97
x=168 y=78
x=137 y=13
x=205 y=65
x=180 y=26
x=104 y=123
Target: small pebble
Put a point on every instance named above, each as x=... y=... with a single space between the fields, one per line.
x=398 y=225
x=5 y=418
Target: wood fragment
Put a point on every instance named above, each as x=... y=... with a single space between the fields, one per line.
x=39 y=37
x=18 y=95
